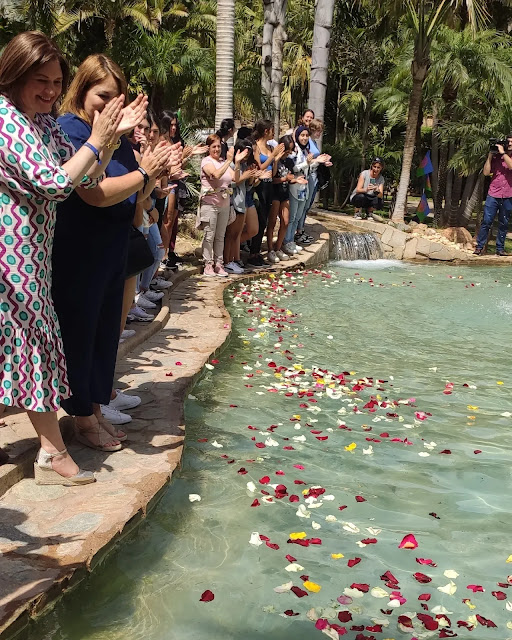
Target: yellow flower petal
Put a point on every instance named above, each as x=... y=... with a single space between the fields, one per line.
x=500 y=382
x=351 y=446
x=312 y=586
x=472 y=407
x=337 y=556
x=509 y=559
x=298 y=535
x=296 y=416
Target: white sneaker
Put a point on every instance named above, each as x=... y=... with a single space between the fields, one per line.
x=145 y=303
x=233 y=267
x=282 y=255
x=154 y=296
x=161 y=283
x=114 y=416
x=123 y=401
x=296 y=247
x=288 y=249
x=140 y=315
x=272 y=257
x=358 y=216
x=127 y=333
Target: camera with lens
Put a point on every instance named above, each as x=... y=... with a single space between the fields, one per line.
x=494 y=142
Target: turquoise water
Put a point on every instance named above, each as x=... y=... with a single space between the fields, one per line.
x=385 y=386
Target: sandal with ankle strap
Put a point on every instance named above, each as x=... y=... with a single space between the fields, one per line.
x=113 y=431
x=44 y=473
x=103 y=438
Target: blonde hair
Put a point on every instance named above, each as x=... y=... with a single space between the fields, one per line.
x=23 y=54
x=316 y=125
x=93 y=70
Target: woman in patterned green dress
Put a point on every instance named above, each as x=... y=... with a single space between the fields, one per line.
x=38 y=168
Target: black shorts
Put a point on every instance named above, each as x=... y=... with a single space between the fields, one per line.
x=279 y=193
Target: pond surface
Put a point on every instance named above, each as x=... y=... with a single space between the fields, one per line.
x=354 y=406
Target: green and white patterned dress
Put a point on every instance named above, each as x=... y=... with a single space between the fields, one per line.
x=32 y=181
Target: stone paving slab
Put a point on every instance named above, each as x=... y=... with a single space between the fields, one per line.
x=50 y=537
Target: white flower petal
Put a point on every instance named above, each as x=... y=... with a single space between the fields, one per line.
x=284 y=587
x=450 y=573
x=194 y=497
x=379 y=592
x=449 y=588
x=255 y=539
x=294 y=566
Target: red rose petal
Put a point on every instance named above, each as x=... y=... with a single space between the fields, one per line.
x=421 y=577
x=360 y=499
x=300 y=593
x=208 y=595
x=353 y=561
x=290 y=558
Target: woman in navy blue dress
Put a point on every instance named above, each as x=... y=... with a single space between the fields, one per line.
x=90 y=249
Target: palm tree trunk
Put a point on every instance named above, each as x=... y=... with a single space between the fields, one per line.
x=269 y=20
x=453 y=212
x=364 y=131
x=472 y=201
x=466 y=194
x=435 y=149
x=419 y=73
x=449 y=188
x=441 y=185
x=278 y=39
x=324 y=14
x=225 y=60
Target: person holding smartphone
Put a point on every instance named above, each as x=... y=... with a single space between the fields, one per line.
x=369 y=191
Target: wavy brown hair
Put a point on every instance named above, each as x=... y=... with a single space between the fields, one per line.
x=26 y=52
x=93 y=70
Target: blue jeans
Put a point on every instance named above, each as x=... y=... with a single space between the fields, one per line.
x=154 y=239
x=297 y=208
x=312 y=189
x=493 y=206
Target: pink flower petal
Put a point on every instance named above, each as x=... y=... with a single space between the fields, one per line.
x=321 y=623
x=408 y=542
x=475 y=588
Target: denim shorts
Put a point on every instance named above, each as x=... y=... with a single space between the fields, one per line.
x=249 y=199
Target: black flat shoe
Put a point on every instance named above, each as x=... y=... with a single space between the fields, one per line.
x=502 y=253
x=4 y=458
x=478 y=252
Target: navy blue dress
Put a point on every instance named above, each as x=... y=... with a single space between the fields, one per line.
x=89 y=260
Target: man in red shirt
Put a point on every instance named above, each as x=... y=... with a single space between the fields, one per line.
x=499 y=198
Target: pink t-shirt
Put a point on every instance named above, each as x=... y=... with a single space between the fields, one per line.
x=210 y=183
x=501 y=183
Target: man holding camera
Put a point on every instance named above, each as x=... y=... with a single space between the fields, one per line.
x=499 y=197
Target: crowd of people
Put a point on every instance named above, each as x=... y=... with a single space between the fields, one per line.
x=248 y=187
x=91 y=186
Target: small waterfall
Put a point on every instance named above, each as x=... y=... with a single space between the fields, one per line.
x=347 y=245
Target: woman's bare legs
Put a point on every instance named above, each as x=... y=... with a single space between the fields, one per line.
x=169 y=218
x=232 y=239
x=130 y=285
x=240 y=219
x=48 y=430
x=251 y=224
x=284 y=215
x=271 y=224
